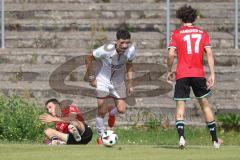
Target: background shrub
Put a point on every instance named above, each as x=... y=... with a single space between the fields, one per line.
x=19 y=120
x=230 y=121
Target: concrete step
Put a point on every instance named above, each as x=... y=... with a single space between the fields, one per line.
x=37 y=89
x=73 y=72
x=34 y=6
x=226 y=106
x=83 y=24
x=111 y=10
x=43 y=89
x=110 y=14
x=150 y=24
x=87 y=1
x=84 y=6
x=39 y=72
x=77 y=39
x=119 y=6
x=223 y=57
x=87 y=39
x=60 y=56
x=108 y=1
x=227 y=90
x=83 y=14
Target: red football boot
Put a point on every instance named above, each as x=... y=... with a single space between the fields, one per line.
x=99 y=141
x=111 y=118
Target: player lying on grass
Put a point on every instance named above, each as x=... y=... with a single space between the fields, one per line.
x=190 y=44
x=70 y=125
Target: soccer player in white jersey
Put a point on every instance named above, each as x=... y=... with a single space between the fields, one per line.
x=109 y=79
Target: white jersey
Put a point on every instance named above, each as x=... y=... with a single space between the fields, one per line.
x=112 y=64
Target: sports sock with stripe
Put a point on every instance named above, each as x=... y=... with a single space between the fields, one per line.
x=114 y=111
x=100 y=125
x=180 y=128
x=212 y=130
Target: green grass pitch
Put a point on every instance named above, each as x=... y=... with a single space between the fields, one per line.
x=118 y=152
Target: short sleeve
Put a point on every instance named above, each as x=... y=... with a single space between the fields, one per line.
x=131 y=53
x=99 y=53
x=173 y=42
x=73 y=109
x=206 y=40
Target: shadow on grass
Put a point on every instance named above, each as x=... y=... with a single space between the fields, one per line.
x=187 y=147
x=167 y=146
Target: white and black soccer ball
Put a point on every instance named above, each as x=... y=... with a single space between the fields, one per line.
x=109 y=138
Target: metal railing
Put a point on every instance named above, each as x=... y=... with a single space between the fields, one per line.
x=168 y=21
x=236 y=25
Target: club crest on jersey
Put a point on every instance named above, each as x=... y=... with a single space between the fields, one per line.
x=116 y=67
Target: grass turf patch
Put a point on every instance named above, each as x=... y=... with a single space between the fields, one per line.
x=160 y=136
x=118 y=152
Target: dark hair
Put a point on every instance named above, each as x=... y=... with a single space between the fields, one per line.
x=187 y=14
x=123 y=34
x=53 y=100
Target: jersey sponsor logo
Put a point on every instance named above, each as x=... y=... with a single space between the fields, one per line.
x=117 y=67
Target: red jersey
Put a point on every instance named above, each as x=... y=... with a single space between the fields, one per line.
x=189 y=42
x=63 y=127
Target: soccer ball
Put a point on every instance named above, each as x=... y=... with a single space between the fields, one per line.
x=109 y=138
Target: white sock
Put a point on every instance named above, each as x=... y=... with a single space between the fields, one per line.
x=114 y=111
x=100 y=125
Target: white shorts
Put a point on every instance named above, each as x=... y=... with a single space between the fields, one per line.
x=115 y=90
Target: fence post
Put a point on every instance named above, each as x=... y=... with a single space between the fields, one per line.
x=236 y=25
x=2 y=25
x=168 y=22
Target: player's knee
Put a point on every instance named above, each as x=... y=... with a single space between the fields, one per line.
x=101 y=113
x=203 y=102
x=101 y=104
x=205 y=107
x=121 y=110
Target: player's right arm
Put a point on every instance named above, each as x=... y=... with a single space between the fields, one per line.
x=90 y=72
x=210 y=59
x=97 y=54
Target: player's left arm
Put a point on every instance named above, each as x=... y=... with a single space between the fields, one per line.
x=129 y=68
x=210 y=59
